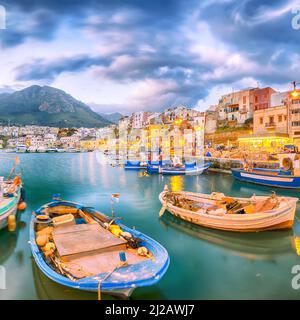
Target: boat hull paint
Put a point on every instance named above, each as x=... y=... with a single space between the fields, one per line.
x=191 y=171
x=113 y=285
x=279 y=181
x=10 y=210
x=281 y=218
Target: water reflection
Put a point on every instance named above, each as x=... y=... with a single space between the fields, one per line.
x=8 y=242
x=253 y=246
x=177 y=183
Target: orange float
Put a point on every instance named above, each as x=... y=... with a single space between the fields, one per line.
x=22 y=206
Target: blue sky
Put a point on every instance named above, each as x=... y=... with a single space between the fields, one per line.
x=129 y=55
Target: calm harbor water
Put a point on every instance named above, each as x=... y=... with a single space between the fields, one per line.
x=205 y=264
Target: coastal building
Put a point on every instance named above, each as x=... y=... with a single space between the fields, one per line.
x=271 y=120
x=262 y=98
x=235 y=108
x=139 y=119
x=211 y=120
x=293 y=104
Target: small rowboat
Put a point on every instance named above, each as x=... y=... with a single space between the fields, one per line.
x=258 y=213
x=274 y=178
x=188 y=169
x=84 y=249
x=9 y=204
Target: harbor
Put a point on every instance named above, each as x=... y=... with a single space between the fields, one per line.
x=212 y=264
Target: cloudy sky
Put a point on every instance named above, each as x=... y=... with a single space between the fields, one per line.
x=128 y=55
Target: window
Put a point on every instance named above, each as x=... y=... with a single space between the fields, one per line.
x=244 y=100
x=280 y=118
x=296 y=123
x=256 y=99
x=285 y=117
x=261 y=120
x=271 y=119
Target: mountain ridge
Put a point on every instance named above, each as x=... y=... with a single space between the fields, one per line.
x=45 y=105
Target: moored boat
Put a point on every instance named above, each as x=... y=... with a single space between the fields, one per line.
x=32 y=149
x=187 y=168
x=81 y=248
x=286 y=176
x=9 y=199
x=216 y=211
x=61 y=150
x=274 y=178
x=21 y=148
x=133 y=165
x=41 y=149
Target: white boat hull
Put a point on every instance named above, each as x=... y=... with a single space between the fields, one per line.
x=279 y=218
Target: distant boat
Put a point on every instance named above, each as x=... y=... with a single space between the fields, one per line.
x=61 y=150
x=154 y=166
x=9 y=150
x=41 y=149
x=51 y=150
x=134 y=165
x=32 y=149
x=258 y=213
x=90 y=251
x=21 y=148
x=187 y=168
x=72 y=150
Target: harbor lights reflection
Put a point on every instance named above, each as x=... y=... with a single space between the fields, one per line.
x=177 y=183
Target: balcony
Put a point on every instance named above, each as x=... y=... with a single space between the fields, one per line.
x=270 y=125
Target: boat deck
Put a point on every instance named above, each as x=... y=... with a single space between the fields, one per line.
x=89 y=249
x=83 y=239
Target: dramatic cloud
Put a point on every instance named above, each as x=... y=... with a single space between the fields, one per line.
x=133 y=55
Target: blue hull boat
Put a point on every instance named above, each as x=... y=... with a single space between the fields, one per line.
x=90 y=251
x=134 y=165
x=186 y=169
x=273 y=178
x=154 y=166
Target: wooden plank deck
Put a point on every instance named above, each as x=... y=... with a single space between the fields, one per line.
x=103 y=262
x=84 y=240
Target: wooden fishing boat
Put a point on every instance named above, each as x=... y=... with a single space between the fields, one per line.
x=258 y=213
x=188 y=169
x=81 y=248
x=12 y=190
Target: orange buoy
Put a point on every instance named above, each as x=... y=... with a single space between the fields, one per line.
x=22 y=206
x=11 y=223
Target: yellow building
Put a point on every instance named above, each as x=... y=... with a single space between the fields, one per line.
x=268 y=142
x=90 y=144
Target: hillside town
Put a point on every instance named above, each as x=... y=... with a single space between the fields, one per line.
x=259 y=120
x=253 y=121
